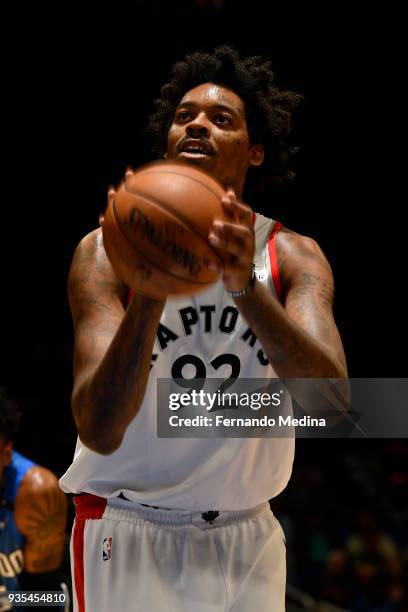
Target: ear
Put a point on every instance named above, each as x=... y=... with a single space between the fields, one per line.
x=256 y=155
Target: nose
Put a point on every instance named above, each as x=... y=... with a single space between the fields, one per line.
x=198 y=127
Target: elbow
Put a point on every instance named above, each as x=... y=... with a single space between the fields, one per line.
x=93 y=434
x=345 y=391
x=339 y=379
x=343 y=383
x=333 y=368
x=99 y=444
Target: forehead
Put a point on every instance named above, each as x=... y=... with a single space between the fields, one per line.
x=210 y=94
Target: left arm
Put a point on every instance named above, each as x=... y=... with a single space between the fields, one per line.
x=40 y=515
x=300 y=337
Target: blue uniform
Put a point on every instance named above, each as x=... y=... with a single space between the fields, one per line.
x=11 y=540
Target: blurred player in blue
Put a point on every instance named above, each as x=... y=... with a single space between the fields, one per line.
x=33 y=513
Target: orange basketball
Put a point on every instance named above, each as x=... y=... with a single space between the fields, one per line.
x=155 y=230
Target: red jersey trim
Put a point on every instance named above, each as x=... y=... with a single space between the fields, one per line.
x=130 y=295
x=78 y=548
x=273 y=257
x=87 y=507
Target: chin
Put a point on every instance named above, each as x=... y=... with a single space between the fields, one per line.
x=204 y=163
x=195 y=162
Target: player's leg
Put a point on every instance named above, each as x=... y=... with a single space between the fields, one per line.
x=253 y=555
x=135 y=560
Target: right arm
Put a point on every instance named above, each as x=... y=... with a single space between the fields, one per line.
x=112 y=350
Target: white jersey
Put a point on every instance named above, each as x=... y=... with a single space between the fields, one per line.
x=196 y=473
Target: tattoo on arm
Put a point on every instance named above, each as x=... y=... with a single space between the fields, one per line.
x=309 y=296
x=310 y=303
x=43 y=551
x=113 y=347
x=41 y=512
x=303 y=340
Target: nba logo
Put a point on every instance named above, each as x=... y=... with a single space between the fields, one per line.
x=261 y=274
x=106 y=549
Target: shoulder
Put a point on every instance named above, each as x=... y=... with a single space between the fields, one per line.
x=90 y=248
x=40 y=514
x=39 y=497
x=91 y=269
x=298 y=256
x=38 y=483
x=293 y=245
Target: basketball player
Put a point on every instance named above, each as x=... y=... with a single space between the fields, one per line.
x=32 y=518
x=185 y=524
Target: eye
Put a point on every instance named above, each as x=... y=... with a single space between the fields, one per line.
x=182 y=115
x=223 y=120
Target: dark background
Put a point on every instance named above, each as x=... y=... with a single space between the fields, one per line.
x=78 y=87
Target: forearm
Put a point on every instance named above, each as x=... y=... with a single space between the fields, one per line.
x=292 y=352
x=108 y=400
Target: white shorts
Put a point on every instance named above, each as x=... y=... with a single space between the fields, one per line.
x=130 y=558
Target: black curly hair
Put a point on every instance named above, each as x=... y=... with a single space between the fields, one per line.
x=9 y=416
x=268 y=109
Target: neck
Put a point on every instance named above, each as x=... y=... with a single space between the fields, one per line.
x=237 y=186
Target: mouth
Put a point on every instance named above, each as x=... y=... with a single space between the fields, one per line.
x=190 y=149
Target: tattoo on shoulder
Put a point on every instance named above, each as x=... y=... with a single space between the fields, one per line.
x=40 y=515
x=92 y=281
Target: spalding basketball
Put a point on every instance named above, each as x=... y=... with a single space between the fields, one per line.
x=156 y=227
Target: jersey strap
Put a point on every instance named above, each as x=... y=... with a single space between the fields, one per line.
x=274 y=259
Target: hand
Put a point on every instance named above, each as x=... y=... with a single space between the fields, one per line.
x=111 y=192
x=237 y=238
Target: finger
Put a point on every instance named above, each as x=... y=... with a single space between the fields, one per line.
x=223 y=229
x=215 y=266
x=227 y=203
x=237 y=210
x=229 y=196
x=111 y=192
x=241 y=207
x=234 y=239
x=129 y=172
x=233 y=207
x=231 y=193
x=111 y=195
